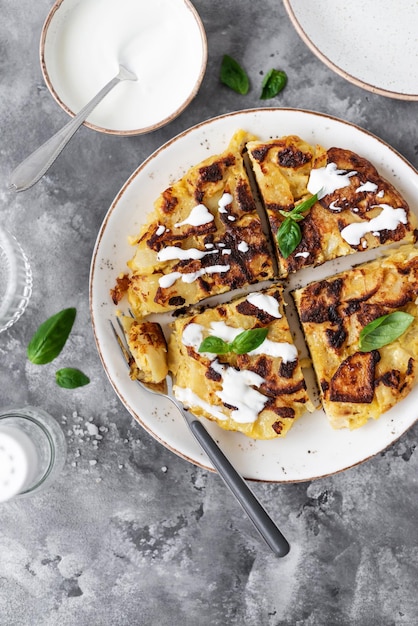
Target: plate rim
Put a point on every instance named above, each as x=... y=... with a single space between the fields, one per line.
x=94 y=261
x=336 y=68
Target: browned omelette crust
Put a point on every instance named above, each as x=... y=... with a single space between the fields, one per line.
x=148 y=348
x=282 y=168
x=283 y=386
x=233 y=241
x=356 y=386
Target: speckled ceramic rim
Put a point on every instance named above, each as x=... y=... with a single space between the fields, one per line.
x=96 y=261
x=352 y=79
x=137 y=131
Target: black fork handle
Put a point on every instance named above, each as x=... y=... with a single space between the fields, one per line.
x=237 y=485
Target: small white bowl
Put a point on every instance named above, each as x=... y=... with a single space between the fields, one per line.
x=162 y=41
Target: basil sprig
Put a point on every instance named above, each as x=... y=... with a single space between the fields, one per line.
x=233 y=75
x=50 y=338
x=384 y=330
x=70 y=378
x=47 y=343
x=289 y=234
x=245 y=342
x=274 y=81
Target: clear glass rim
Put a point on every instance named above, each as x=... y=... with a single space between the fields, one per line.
x=52 y=458
x=18 y=276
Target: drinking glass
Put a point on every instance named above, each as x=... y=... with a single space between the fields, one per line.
x=33 y=450
x=15 y=279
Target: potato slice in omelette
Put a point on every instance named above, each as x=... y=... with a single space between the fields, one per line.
x=203 y=238
x=357 y=209
x=148 y=347
x=260 y=393
x=355 y=385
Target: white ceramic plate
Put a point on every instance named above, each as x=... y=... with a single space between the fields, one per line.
x=372 y=44
x=312 y=448
x=163 y=42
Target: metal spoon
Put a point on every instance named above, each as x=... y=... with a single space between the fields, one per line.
x=38 y=163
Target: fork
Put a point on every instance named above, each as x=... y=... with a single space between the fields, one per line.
x=231 y=477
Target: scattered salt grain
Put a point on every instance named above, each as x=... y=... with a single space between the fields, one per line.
x=92 y=429
x=93 y=462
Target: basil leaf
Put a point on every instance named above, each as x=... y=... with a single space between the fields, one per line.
x=305 y=205
x=70 y=378
x=234 y=76
x=50 y=338
x=248 y=340
x=384 y=330
x=244 y=342
x=289 y=234
x=274 y=81
x=289 y=237
x=214 y=345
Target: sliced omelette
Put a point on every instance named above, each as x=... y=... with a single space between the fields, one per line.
x=357 y=385
x=356 y=210
x=203 y=238
x=260 y=393
x=148 y=348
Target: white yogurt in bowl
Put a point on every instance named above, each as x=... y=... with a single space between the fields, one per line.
x=162 y=41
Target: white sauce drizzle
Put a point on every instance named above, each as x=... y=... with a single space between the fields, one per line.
x=198 y=216
x=243 y=246
x=169 y=279
x=367 y=186
x=171 y=253
x=189 y=399
x=160 y=230
x=224 y=201
x=326 y=180
x=388 y=219
x=277 y=349
x=237 y=390
x=265 y=303
x=304 y=255
x=192 y=335
x=333 y=206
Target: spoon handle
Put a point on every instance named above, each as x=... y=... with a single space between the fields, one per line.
x=38 y=163
x=237 y=485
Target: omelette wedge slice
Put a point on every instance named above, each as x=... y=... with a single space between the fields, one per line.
x=355 y=385
x=356 y=210
x=260 y=393
x=203 y=238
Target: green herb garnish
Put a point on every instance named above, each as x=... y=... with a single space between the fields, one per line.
x=234 y=76
x=274 y=81
x=384 y=330
x=289 y=234
x=245 y=342
x=50 y=338
x=70 y=378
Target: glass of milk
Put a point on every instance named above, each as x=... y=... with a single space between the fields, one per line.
x=15 y=280
x=32 y=451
